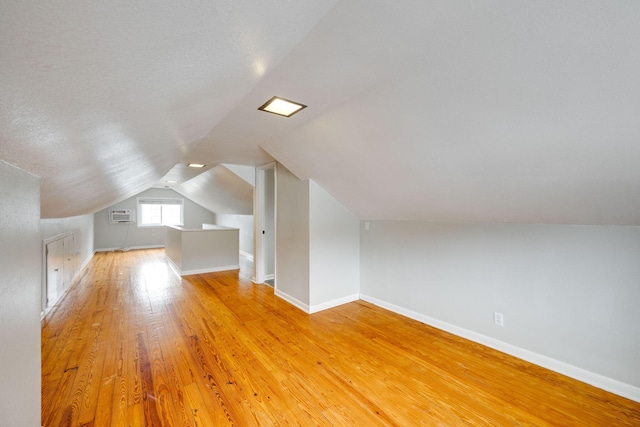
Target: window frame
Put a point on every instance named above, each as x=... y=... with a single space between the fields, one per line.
x=169 y=201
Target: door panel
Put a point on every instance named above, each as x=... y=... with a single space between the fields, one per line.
x=264 y=220
x=269 y=225
x=68 y=261
x=55 y=271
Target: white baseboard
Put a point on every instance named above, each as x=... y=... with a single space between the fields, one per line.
x=291 y=300
x=130 y=248
x=211 y=270
x=86 y=261
x=597 y=380
x=317 y=307
x=333 y=303
x=181 y=272
x=247 y=255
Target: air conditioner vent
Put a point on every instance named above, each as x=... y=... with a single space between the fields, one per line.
x=120 y=216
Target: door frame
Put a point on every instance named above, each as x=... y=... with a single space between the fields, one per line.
x=259 y=266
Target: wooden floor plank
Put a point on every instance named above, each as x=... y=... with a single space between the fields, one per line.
x=132 y=345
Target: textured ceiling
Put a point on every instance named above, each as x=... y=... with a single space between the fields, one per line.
x=502 y=111
x=101 y=99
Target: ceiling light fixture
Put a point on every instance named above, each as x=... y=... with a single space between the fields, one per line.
x=172 y=181
x=281 y=107
x=195 y=165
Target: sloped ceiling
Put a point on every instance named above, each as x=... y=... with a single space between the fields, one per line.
x=504 y=111
x=220 y=190
x=102 y=99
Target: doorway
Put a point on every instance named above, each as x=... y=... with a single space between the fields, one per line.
x=265 y=225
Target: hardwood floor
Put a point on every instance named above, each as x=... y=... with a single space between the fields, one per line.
x=132 y=344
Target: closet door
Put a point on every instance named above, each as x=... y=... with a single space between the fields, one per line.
x=68 y=261
x=55 y=271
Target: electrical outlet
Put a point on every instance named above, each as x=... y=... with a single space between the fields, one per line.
x=498 y=318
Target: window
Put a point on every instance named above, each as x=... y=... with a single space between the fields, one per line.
x=159 y=212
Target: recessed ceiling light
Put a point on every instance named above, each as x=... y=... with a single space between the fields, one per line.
x=195 y=165
x=172 y=181
x=281 y=106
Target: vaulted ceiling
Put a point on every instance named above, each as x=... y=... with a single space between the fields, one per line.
x=502 y=111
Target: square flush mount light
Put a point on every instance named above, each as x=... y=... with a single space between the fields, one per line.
x=281 y=107
x=195 y=165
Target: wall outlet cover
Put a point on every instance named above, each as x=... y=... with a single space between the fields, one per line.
x=498 y=318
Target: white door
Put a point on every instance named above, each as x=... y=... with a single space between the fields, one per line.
x=265 y=229
x=269 y=230
x=68 y=261
x=55 y=271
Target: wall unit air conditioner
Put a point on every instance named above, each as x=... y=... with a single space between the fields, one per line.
x=120 y=216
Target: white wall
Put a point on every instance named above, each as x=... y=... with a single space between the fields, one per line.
x=20 y=273
x=117 y=236
x=317 y=246
x=292 y=238
x=334 y=252
x=569 y=293
x=242 y=222
x=215 y=248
